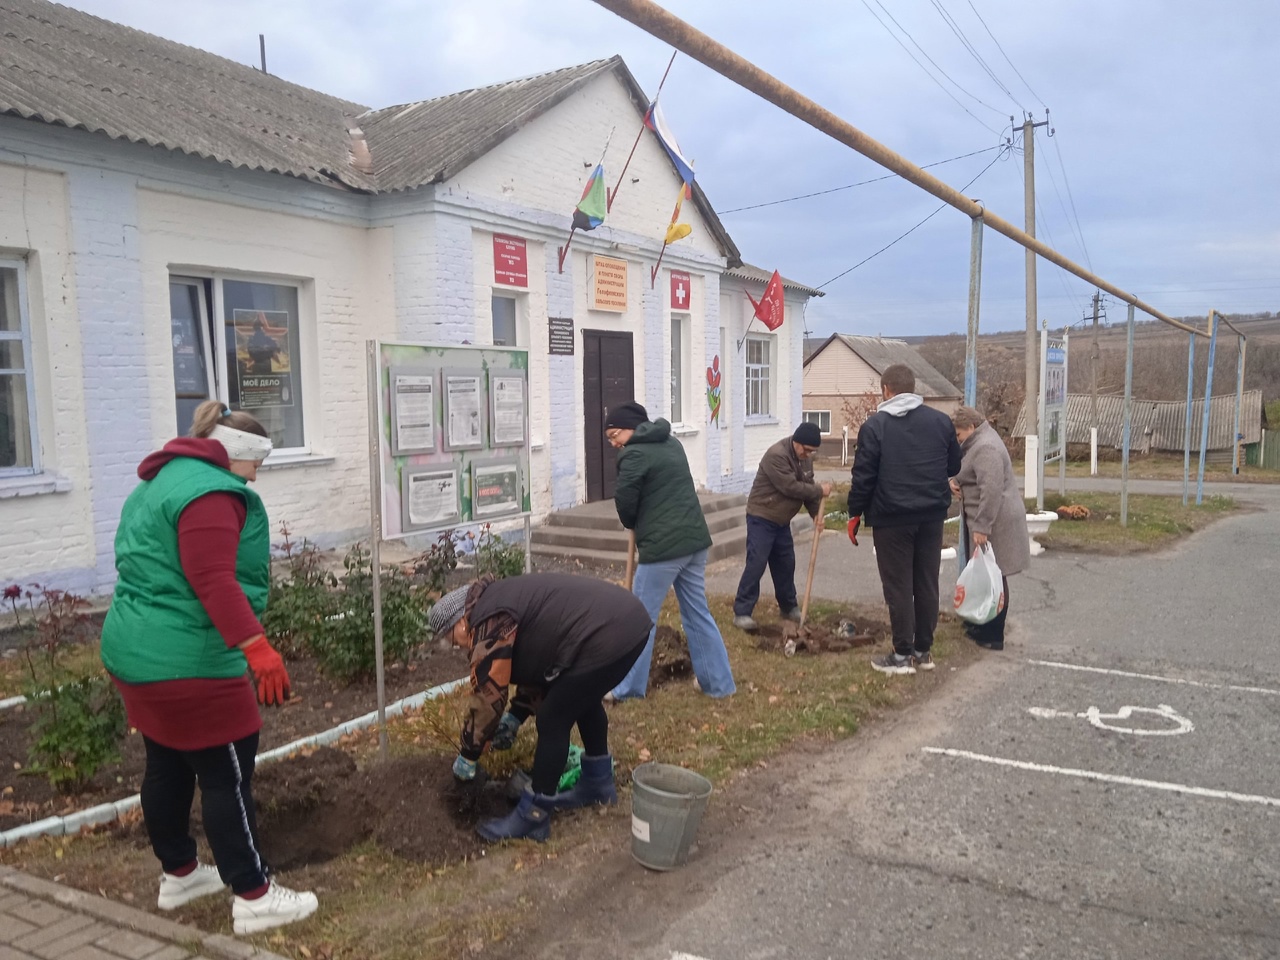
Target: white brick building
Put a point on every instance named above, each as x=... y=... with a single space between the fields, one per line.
x=150 y=194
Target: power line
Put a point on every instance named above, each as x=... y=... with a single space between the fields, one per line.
x=913 y=229
x=924 y=68
x=973 y=51
x=1058 y=150
x=1005 y=55
x=860 y=183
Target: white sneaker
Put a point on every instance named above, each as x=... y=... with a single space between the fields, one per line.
x=200 y=882
x=278 y=906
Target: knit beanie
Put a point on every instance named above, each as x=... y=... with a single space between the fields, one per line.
x=808 y=435
x=448 y=610
x=626 y=416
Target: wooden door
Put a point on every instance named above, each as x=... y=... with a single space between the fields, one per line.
x=608 y=379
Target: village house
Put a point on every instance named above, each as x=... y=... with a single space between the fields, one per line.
x=155 y=199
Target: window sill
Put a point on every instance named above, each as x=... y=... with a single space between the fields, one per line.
x=537 y=443
x=295 y=460
x=33 y=486
x=761 y=422
x=684 y=430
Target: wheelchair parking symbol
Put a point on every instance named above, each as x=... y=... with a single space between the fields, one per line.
x=1171 y=723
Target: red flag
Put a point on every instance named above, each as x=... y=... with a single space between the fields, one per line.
x=769 y=307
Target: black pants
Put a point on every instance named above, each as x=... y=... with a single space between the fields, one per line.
x=993 y=630
x=577 y=699
x=768 y=545
x=908 y=558
x=226 y=804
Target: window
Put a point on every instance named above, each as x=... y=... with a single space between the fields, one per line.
x=504 y=322
x=19 y=446
x=821 y=417
x=254 y=366
x=679 y=324
x=758 y=377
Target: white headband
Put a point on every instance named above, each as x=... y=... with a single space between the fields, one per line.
x=241 y=445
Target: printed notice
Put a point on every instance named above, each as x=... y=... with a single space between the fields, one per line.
x=463 y=411
x=610 y=284
x=431 y=497
x=508 y=409
x=264 y=365
x=415 y=409
x=495 y=488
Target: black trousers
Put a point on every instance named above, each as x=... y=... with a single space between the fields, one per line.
x=908 y=558
x=993 y=630
x=226 y=804
x=768 y=545
x=577 y=699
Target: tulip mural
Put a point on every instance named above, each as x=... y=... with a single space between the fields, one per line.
x=713 y=390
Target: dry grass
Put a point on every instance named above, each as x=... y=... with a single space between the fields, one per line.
x=1154 y=522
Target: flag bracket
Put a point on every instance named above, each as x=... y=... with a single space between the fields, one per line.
x=563 y=252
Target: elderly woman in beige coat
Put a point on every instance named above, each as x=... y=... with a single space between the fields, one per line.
x=994 y=512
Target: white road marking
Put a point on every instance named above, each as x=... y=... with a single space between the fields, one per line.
x=1108 y=777
x=686 y=956
x=1151 y=676
x=1098 y=718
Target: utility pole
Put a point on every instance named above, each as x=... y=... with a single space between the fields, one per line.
x=1094 y=356
x=1032 y=401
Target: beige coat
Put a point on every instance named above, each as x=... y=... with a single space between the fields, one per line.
x=992 y=500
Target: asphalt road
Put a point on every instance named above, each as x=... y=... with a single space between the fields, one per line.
x=1106 y=787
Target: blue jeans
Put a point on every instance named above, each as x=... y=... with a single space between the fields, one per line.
x=706 y=646
x=768 y=544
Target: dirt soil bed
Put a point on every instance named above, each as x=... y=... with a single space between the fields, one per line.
x=318 y=704
x=830 y=633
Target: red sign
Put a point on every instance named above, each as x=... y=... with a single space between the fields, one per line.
x=681 y=291
x=510 y=261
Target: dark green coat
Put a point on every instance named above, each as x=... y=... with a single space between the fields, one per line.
x=655 y=495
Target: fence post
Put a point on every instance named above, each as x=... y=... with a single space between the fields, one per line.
x=1186 y=437
x=1128 y=423
x=1208 y=404
x=1241 y=345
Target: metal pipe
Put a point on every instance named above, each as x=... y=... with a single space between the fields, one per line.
x=1208 y=405
x=1128 y=422
x=1241 y=344
x=659 y=23
x=375 y=535
x=975 y=299
x=1186 y=434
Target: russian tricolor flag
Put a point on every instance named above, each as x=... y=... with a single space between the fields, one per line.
x=655 y=121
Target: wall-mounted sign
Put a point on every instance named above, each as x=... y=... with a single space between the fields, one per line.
x=495 y=488
x=680 y=290
x=506 y=407
x=510 y=261
x=463 y=410
x=609 y=292
x=430 y=497
x=413 y=411
x=560 y=336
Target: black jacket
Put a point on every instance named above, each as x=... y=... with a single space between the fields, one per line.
x=902 y=467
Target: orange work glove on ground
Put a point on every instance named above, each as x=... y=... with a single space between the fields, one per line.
x=854 y=523
x=268 y=670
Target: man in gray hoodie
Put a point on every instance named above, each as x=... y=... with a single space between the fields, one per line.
x=906 y=454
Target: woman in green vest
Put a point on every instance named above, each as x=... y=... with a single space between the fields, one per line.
x=193 y=559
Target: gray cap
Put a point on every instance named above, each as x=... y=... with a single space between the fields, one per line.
x=448 y=610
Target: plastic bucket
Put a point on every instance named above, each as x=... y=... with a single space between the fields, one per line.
x=667 y=803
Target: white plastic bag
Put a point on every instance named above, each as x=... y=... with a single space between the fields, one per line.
x=980 y=587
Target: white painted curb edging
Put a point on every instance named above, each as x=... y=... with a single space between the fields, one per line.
x=106 y=812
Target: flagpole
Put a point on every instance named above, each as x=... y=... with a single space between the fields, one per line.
x=609 y=197
x=653 y=274
x=562 y=252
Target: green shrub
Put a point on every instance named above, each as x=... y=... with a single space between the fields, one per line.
x=495 y=556
x=298 y=602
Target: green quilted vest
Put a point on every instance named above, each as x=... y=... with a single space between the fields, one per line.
x=157 y=629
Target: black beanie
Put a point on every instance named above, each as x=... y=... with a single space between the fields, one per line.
x=808 y=435
x=626 y=416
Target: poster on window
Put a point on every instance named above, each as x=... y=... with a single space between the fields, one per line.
x=463 y=410
x=189 y=372
x=506 y=408
x=413 y=411
x=495 y=488
x=431 y=497
x=264 y=367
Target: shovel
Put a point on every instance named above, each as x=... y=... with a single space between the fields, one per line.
x=791 y=631
x=631 y=559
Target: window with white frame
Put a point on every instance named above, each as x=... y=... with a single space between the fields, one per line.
x=19 y=440
x=821 y=417
x=759 y=379
x=506 y=331
x=679 y=333
x=254 y=364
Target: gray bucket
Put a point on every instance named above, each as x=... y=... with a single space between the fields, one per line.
x=667 y=804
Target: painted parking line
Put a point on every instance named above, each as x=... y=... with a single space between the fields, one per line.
x=1107 y=777
x=1151 y=676
x=686 y=956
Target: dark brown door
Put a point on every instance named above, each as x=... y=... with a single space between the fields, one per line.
x=608 y=379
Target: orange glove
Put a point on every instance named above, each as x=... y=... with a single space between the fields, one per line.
x=854 y=523
x=268 y=670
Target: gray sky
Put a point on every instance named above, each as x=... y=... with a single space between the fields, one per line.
x=1161 y=174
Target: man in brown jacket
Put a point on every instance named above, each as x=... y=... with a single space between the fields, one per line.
x=784 y=483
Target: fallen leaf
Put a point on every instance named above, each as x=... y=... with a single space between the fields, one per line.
x=773 y=699
x=645 y=755
x=302 y=949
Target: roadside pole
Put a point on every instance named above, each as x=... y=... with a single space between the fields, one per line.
x=1208 y=403
x=375 y=536
x=1128 y=421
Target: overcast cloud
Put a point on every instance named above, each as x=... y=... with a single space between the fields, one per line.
x=1165 y=144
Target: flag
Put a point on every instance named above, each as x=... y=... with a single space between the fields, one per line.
x=655 y=121
x=769 y=307
x=678 y=231
x=590 y=211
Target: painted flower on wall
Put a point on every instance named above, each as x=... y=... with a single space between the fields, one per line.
x=713 y=390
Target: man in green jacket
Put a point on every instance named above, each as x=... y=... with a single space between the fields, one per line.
x=655 y=497
x=784 y=483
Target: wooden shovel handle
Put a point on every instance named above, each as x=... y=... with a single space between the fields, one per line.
x=631 y=558
x=818 y=523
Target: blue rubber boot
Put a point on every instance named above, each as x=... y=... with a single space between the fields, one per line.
x=594 y=786
x=530 y=820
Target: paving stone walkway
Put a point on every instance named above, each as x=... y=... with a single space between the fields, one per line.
x=40 y=920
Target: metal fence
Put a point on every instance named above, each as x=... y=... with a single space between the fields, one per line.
x=1266 y=453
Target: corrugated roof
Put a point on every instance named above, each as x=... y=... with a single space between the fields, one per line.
x=748 y=271
x=880 y=354
x=1159 y=424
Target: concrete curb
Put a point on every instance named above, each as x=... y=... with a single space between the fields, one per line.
x=106 y=812
x=130 y=918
